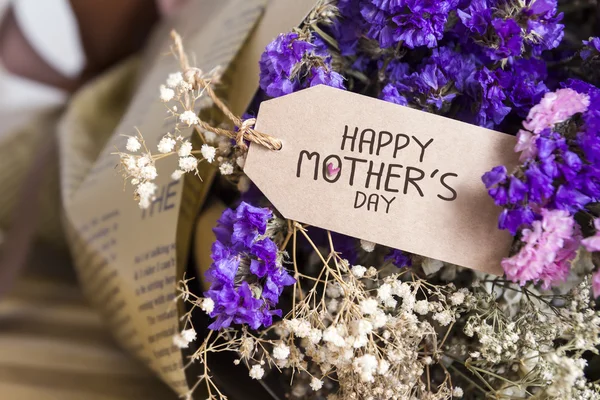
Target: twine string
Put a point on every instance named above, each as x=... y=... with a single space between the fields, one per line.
x=245 y=128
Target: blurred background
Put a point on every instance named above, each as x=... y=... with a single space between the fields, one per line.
x=52 y=345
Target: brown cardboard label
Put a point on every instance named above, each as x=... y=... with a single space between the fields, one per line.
x=385 y=173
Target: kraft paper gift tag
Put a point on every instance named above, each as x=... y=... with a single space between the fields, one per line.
x=385 y=173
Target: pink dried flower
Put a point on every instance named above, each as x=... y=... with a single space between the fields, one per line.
x=592 y=243
x=526 y=145
x=556 y=107
x=549 y=247
x=596 y=283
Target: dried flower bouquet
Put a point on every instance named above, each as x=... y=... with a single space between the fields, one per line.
x=340 y=318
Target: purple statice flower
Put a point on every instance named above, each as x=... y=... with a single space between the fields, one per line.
x=399 y=258
x=508 y=39
x=588 y=139
x=395 y=71
x=494 y=177
x=457 y=66
x=554 y=177
x=569 y=197
x=591 y=47
x=348 y=29
x=489 y=98
x=434 y=85
x=543 y=30
x=246 y=277
x=414 y=23
x=278 y=61
x=437 y=81
x=477 y=17
x=323 y=76
x=504 y=29
x=549 y=247
x=523 y=82
x=420 y=22
x=513 y=219
x=540 y=187
x=560 y=158
x=280 y=65
x=390 y=93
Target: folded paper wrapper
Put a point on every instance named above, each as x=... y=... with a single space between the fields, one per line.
x=128 y=261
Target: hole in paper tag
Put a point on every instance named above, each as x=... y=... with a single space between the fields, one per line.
x=385 y=173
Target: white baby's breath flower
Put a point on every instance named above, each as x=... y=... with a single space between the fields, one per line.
x=333 y=305
x=146 y=192
x=143 y=161
x=332 y=336
x=174 y=79
x=444 y=317
x=166 y=145
x=144 y=202
x=379 y=319
x=257 y=372
x=185 y=149
x=281 y=351
x=384 y=292
x=189 y=334
x=368 y=306
x=367 y=246
x=148 y=172
x=421 y=307
x=315 y=335
x=300 y=327
x=130 y=163
x=358 y=271
x=334 y=290
x=226 y=168
x=366 y=366
x=208 y=152
x=189 y=117
x=208 y=305
x=166 y=94
x=383 y=367
x=177 y=174
x=188 y=164
x=390 y=302
x=457 y=392
x=457 y=298
x=362 y=327
x=133 y=144
x=183 y=339
x=316 y=384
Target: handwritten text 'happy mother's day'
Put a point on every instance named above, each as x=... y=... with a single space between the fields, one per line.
x=368 y=174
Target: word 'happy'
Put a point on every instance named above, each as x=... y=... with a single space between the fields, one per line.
x=377 y=175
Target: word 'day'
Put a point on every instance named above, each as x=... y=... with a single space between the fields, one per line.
x=385 y=173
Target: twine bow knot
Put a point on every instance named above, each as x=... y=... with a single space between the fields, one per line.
x=245 y=128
